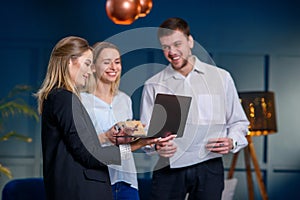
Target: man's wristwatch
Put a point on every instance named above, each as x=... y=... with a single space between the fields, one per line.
x=234 y=144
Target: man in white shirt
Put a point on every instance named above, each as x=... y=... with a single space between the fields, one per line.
x=216 y=123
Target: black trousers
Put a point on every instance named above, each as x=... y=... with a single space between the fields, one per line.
x=203 y=181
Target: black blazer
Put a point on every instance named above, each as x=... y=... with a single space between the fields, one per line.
x=74 y=163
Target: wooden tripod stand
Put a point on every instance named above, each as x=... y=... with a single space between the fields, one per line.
x=249 y=152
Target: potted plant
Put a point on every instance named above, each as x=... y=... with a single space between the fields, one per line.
x=10 y=105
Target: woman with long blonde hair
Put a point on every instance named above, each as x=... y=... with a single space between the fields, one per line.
x=107 y=105
x=74 y=162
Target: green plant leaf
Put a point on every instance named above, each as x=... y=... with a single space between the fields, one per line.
x=18 y=89
x=14 y=134
x=5 y=171
x=13 y=107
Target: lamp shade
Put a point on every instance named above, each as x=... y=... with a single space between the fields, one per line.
x=123 y=12
x=260 y=110
x=146 y=6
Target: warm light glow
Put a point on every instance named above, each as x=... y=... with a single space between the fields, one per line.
x=259 y=133
x=146 y=6
x=123 y=12
x=126 y=5
x=251 y=107
x=260 y=110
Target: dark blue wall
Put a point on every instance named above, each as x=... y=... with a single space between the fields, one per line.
x=30 y=28
x=234 y=26
x=258 y=26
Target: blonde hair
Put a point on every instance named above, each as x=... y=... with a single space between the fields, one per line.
x=92 y=81
x=58 y=75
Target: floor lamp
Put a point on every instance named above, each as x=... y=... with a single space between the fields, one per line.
x=260 y=110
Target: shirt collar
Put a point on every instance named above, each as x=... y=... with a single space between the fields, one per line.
x=170 y=73
x=199 y=66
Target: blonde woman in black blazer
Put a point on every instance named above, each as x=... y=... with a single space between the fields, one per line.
x=74 y=163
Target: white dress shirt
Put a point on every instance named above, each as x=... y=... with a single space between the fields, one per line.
x=215 y=110
x=104 y=116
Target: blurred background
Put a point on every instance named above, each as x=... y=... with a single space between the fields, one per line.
x=256 y=41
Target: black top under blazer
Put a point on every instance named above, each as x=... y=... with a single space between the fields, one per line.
x=74 y=163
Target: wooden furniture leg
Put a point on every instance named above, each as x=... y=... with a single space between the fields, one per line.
x=249 y=174
x=259 y=178
x=250 y=155
x=232 y=166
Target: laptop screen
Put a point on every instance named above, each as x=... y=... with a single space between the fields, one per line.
x=169 y=115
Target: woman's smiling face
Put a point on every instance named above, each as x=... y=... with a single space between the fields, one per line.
x=80 y=68
x=108 y=65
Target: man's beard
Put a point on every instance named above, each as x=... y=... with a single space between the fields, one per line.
x=185 y=62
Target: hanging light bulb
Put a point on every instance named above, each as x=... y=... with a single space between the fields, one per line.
x=123 y=12
x=146 y=6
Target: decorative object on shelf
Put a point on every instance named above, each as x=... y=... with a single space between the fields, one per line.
x=260 y=110
x=125 y=12
x=12 y=105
